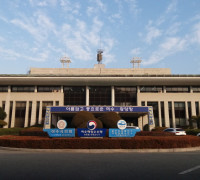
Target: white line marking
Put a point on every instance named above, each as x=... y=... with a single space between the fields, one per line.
x=190 y=170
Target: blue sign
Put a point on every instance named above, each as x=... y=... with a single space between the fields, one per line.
x=100 y=109
x=68 y=132
x=114 y=132
x=83 y=132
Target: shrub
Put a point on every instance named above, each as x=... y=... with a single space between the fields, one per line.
x=110 y=119
x=32 y=131
x=146 y=127
x=10 y=131
x=192 y=131
x=158 y=128
x=2 y=123
x=154 y=133
x=81 y=118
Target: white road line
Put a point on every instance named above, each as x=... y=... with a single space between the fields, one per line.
x=190 y=170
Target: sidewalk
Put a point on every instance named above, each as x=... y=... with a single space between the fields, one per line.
x=103 y=150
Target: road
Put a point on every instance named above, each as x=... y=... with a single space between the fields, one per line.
x=106 y=166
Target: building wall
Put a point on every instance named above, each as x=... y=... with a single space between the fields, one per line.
x=10 y=99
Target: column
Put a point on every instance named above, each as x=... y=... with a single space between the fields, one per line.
x=87 y=96
x=13 y=115
x=166 y=113
x=112 y=96
x=186 y=113
x=54 y=103
x=159 y=114
x=40 y=114
x=26 y=115
x=193 y=108
x=173 y=116
x=35 y=90
x=33 y=113
x=164 y=89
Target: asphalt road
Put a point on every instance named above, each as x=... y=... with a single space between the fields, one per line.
x=91 y=166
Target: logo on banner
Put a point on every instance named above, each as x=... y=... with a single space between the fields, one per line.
x=61 y=124
x=91 y=125
x=121 y=124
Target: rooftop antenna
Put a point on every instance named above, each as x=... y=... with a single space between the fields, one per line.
x=99 y=53
x=136 y=60
x=65 y=60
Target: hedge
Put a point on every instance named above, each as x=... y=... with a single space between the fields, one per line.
x=138 y=142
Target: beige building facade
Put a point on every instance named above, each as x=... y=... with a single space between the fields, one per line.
x=174 y=98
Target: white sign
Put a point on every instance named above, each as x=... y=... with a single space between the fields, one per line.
x=121 y=124
x=61 y=124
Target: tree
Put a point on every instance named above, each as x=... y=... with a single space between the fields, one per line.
x=194 y=119
x=2 y=117
x=81 y=118
x=110 y=119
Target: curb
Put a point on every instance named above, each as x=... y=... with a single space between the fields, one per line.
x=103 y=150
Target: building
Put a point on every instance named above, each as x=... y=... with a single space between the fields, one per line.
x=174 y=98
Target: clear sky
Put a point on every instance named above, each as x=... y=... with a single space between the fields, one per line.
x=37 y=33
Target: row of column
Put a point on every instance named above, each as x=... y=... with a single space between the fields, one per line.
x=33 y=113
x=166 y=112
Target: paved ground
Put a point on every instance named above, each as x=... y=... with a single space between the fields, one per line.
x=61 y=165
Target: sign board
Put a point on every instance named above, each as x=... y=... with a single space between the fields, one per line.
x=84 y=132
x=68 y=132
x=121 y=124
x=114 y=132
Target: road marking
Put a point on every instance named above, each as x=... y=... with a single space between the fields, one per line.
x=190 y=170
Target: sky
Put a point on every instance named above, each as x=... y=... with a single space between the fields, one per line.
x=38 y=33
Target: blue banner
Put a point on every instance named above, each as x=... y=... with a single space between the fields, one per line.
x=83 y=132
x=68 y=132
x=114 y=132
x=100 y=109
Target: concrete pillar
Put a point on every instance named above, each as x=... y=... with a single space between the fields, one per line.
x=9 y=89
x=173 y=115
x=166 y=113
x=159 y=114
x=186 y=113
x=40 y=113
x=13 y=115
x=191 y=90
x=33 y=113
x=193 y=108
x=54 y=103
x=35 y=90
x=140 y=122
x=26 y=115
x=87 y=96
x=164 y=89
x=62 y=89
x=112 y=96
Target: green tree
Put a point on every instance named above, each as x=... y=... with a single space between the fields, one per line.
x=194 y=119
x=2 y=117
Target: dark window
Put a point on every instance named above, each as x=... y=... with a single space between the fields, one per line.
x=22 y=88
x=100 y=95
x=196 y=89
x=20 y=114
x=170 y=114
x=189 y=110
x=10 y=114
x=48 y=89
x=180 y=114
x=197 y=108
x=152 y=89
x=74 y=95
x=3 y=88
x=162 y=113
x=125 y=96
x=143 y=103
x=177 y=89
x=29 y=113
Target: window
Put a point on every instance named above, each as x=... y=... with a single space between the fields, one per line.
x=22 y=88
x=48 y=89
x=74 y=95
x=3 y=88
x=100 y=95
x=152 y=89
x=177 y=89
x=125 y=96
x=180 y=114
x=196 y=89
